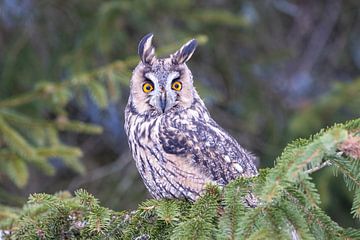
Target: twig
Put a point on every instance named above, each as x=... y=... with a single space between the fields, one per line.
x=317 y=168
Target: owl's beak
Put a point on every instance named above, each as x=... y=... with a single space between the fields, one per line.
x=163 y=101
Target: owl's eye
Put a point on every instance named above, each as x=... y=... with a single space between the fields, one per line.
x=176 y=85
x=148 y=87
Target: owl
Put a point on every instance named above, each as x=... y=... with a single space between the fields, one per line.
x=177 y=147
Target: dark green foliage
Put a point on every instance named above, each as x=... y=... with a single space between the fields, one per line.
x=287 y=204
x=200 y=223
x=342 y=97
x=61 y=216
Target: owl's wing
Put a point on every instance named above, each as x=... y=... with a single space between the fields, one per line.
x=206 y=146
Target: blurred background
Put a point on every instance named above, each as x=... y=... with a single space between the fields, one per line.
x=269 y=71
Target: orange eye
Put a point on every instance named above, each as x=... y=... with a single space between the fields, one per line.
x=177 y=85
x=148 y=87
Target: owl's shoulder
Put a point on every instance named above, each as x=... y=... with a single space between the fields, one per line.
x=197 y=138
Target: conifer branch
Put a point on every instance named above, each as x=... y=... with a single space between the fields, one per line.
x=290 y=212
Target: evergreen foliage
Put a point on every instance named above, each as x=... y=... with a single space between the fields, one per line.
x=288 y=203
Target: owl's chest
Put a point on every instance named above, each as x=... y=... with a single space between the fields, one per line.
x=143 y=134
x=165 y=175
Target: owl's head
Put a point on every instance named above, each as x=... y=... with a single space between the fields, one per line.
x=162 y=85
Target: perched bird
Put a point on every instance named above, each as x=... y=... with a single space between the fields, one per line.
x=178 y=148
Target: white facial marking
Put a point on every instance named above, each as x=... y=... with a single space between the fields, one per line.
x=172 y=76
x=151 y=76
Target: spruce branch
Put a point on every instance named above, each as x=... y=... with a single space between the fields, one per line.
x=292 y=213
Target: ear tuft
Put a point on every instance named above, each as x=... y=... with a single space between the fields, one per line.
x=185 y=52
x=146 y=50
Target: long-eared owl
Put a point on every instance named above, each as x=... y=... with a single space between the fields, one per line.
x=178 y=148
